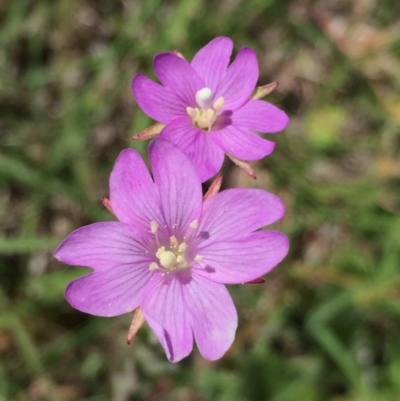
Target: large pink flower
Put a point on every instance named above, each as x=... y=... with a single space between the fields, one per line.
x=171 y=253
x=206 y=105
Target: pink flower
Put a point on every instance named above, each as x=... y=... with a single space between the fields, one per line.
x=206 y=105
x=171 y=253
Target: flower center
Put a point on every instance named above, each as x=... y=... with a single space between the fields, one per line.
x=172 y=257
x=206 y=114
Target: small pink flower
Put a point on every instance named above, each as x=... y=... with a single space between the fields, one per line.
x=206 y=105
x=171 y=252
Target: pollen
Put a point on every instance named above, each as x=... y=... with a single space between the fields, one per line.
x=206 y=114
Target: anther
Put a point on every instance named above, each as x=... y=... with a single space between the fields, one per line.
x=194 y=224
x=191 y=112
x=173 y=241
x=153 y=227
x=198 y=258
x=182 y=247
x=218 y=104
x=153 y=266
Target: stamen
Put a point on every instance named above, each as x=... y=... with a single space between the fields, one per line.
x=198 y=258
x=182 y=247
x=153 y=266
x=194 y=224
x=160 y=251
x=153 y=227
x=218 y=104
x=173 y=241
x=209 y=114
x=203 y=98
x=153 y=230
x=191 y=112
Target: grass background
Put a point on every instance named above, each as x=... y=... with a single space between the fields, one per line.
x=326 y=324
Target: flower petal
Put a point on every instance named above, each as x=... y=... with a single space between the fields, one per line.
x=179 y=76
x=206 y=156
x=106 y=245
x=260 y=116
x=179 y=186
x=133 y=194
x=238 y=261
x=111 y=292
x=213 y=316
x=158 y=102
x=212 y=60
x=241 y=143
x=165 y=311
x=235 y=213
x=240 y=79
x=119 y=255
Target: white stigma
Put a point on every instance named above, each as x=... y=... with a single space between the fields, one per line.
x=204 y=98
x=207 y=113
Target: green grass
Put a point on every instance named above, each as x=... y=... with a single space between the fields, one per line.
x=325 y=325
